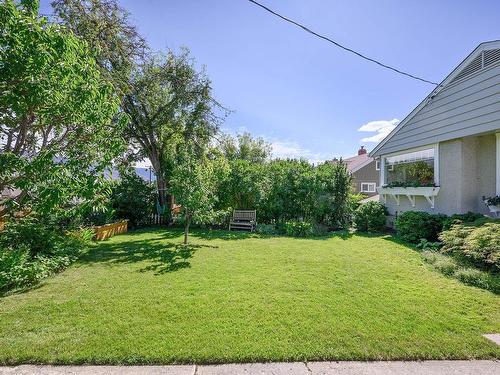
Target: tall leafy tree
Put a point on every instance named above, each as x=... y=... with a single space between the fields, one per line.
x=245 y=147
x=107 y=29
x=170 y=103
x=56 y=133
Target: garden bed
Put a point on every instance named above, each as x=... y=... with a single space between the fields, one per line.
x=106 y=231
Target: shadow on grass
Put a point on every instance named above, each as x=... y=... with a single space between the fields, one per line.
x=163 y=257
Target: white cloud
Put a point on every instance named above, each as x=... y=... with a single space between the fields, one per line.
x=381 y=127
x=292 y=150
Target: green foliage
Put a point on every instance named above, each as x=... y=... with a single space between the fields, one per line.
x=331 y=204
x=469 y=217
x=295 y=228
x=106 y=27
x=355 y=201
x=32 y=249
x=370 y=217
x=493 y=201
x=480 y=244
x=428 y=245
x=446 y=265
x=290 y=191
x=298 y=228
x=430 y=256
x=474 y=277
x=54 y=107
x=194 y=183
x=244 y=147
x=244 y=187
x=449 y=266
x=406 y=184
x=296 y=190
x=268 y=229
x=442 y=263
x=170 y=104
x=412 y=226
x=416 y=174
x=133 y=198
x=230 y=288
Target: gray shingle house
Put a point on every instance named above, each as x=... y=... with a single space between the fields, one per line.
x=444 y=157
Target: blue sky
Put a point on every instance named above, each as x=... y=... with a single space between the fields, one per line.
x=304 y=95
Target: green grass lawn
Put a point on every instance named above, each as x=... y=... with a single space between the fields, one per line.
x=139 y=298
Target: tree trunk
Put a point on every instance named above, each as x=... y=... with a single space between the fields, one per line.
x=186 y=228
x=162 y=192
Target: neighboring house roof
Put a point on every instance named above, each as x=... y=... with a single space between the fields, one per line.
x=373 y=198
x=355 y=163
x=475 y=61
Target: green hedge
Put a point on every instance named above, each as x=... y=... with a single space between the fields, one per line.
x=370 y=217
x=412 y=226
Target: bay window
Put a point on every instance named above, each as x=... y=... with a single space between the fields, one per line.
x=411 y=169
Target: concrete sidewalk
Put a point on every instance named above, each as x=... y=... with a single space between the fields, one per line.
x=294 y=368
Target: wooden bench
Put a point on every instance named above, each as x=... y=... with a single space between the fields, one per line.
x=243 y=219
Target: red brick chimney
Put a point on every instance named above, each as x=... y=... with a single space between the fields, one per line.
x=362 y=150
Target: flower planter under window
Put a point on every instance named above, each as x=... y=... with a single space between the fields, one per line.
x=429 y=193
x=494 y=209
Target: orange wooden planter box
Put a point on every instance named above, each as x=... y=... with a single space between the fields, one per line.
x=109 y=230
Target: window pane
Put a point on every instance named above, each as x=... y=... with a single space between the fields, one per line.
x=411 y=169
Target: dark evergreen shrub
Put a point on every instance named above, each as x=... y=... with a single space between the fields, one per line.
x=412 y=226
x=370 y=217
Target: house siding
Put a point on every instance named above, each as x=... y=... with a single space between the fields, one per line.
x=366 y=174
x=463 y=108
x=466 y=172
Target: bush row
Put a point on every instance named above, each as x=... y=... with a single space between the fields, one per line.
x=289 y=190
x=294 y=228
x=413 y=226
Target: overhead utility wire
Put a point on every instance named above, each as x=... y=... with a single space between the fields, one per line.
x=338 y=44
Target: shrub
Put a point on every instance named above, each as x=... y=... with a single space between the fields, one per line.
x=133 y=198
x=412 y=226
x=268 y=229
x=483 y=245
x=31 y=250
x=473 y=277
x=445 y=265
x=320 y=230
x=430 y=256
x=468 y=217
x=479 y=244
x=370 y=217
x=428 y=245
x=442 y=263
x=355 y=201
x=298 y=228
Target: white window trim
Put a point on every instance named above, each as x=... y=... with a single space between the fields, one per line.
x=377 y=164
x=435 y=146
x=374 y=184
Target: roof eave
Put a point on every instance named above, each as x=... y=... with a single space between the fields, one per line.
x=375 y=152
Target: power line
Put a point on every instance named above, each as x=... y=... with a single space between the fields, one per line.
x=339 y=45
